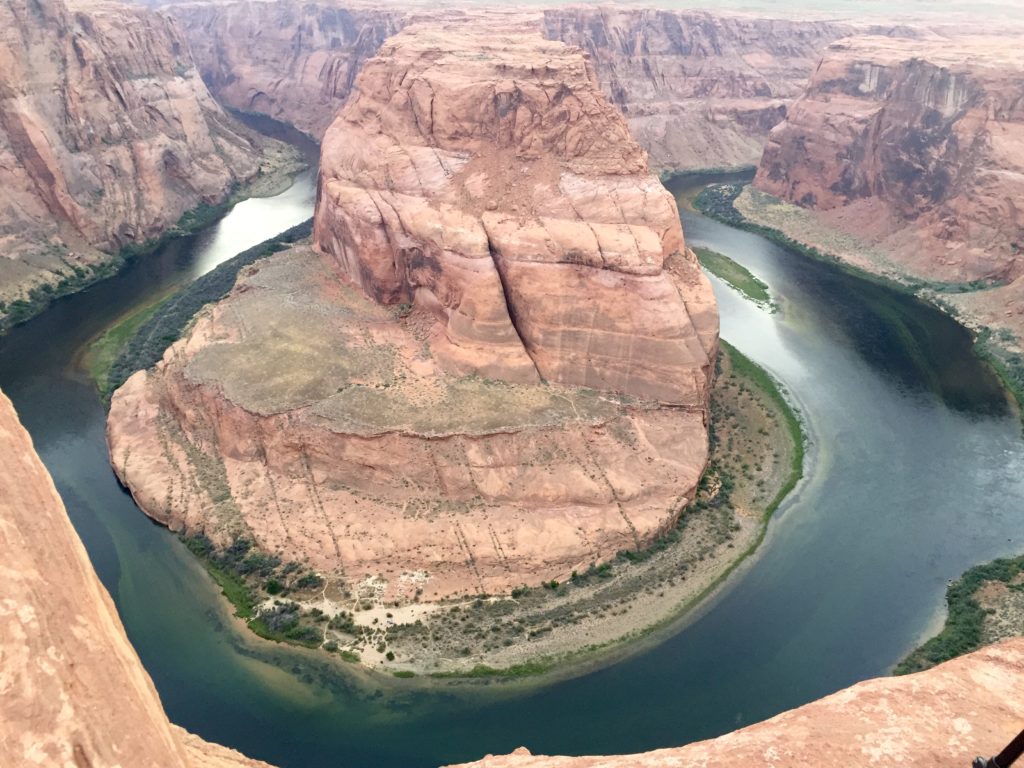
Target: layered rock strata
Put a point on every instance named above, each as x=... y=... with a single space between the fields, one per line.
x=493 y=370
x=941 y=718
x=73 y=692
x=107 y=136
x=698 y=90
x=296 y=62
x=916 y=147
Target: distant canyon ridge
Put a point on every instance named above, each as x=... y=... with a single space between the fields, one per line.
x=908 y=158
x=902 y=141
x=698 y=89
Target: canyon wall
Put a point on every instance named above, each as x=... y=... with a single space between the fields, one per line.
x=916 y=148
x=941 y=718
x=294 y=61
x=73 y=693
x=107 y=136
x=492 y=371
x=698 y=90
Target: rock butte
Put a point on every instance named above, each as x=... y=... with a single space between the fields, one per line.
x=698 y=90
x=916 y=147
x=73 y=693
x=107 y=136
x=493 y=371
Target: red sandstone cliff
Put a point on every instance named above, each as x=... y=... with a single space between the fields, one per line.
x=72 y=691
x=495 y=372
x=502 y=193
x=107 y=136
x=915 y=146
x=294 y=61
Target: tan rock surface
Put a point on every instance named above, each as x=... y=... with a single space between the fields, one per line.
x=107 y=136
x=72 y=691
x=941 y=718
x=916 y=147
x=304 y=416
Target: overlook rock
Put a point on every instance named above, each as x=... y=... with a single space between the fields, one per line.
x=490 y=369
x=941 y=718
x=73 y=692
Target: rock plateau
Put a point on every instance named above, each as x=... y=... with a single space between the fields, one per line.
x=491 y=369
x=107 y=136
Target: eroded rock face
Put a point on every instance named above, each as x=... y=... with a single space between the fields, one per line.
x=941 y=718
x=107 y=136
x=493 y=370
x=73 y=691
x=698 y=90
x=915 y=146
x=487 y=181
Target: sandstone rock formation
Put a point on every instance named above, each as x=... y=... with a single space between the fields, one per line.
x=941 y=718
x=496 y=370
x=698 y=90
x=107 y=136
x=917 y=148
x=72 y=691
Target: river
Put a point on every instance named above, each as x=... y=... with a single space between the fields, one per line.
x=916 y=472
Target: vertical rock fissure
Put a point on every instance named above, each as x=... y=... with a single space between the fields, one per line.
x=506 y=291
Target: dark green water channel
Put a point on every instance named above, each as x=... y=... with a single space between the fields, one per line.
x=916 y=472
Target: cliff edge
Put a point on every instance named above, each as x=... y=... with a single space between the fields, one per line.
x=912 y=150
x=107 y=137
x=73 y=693
x=941 y=718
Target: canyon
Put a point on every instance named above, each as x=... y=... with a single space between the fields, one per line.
x=904 y=157
x=108 y=136
x=491 y=365
x=489 y=369
x=698 y=89
x=76 y=694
